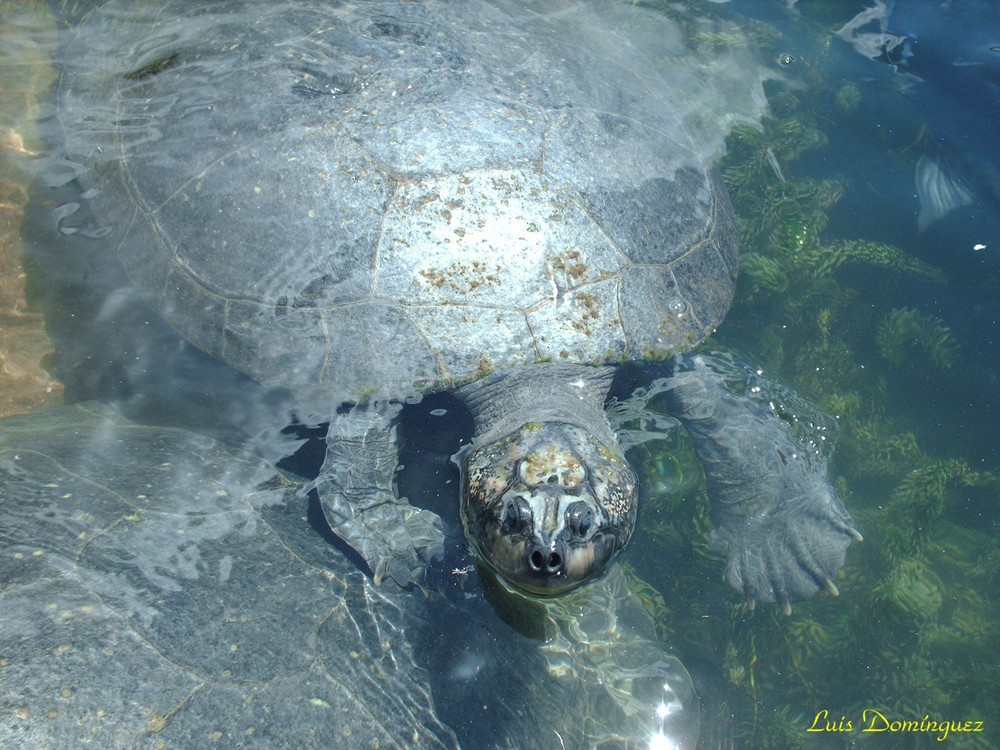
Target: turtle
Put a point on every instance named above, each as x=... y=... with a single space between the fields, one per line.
x=131 y=557
x=161 y=588
x=368 y=203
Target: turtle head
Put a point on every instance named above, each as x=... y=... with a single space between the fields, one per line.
x=548 y=505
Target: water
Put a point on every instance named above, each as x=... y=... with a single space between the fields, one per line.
x=26 y=72
x=903 y=356
x=885 y=325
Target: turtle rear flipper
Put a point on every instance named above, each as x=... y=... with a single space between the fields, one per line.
x=776 y=513
x=355 y=486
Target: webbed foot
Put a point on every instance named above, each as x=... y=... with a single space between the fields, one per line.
x=356 y=489
x=776 y=513
x=783 y=558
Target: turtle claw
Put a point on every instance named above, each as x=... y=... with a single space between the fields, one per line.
x=781 y=558
x=776 y=513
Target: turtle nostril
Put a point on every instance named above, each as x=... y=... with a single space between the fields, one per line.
x=555 y=562
x=537 y=560
x=545 y=563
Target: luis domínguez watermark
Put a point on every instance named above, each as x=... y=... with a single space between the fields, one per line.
x=874 y=720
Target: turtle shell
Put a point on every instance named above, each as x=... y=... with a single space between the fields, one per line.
x=383 y=199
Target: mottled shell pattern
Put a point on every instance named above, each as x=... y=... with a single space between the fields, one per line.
x=384 y=199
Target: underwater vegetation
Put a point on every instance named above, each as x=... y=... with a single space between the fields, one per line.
x=915 y=631
x=907 y=331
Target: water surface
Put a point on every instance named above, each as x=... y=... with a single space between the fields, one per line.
x=869 y=209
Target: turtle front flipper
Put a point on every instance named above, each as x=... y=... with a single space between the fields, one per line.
x=357 y=493
x=776 y=513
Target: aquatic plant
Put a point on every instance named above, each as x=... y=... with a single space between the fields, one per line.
x=651 y=600
x=913 y=588
x=827 y=259
x=923 y=494
x=849 y=97
x=761 y=275
x=906 y=330
x=915 y=627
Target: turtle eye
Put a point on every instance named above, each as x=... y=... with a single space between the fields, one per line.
x=579 y=519
x=516 y=517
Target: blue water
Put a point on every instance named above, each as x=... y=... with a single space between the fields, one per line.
x=914 y=633
x=898 y=348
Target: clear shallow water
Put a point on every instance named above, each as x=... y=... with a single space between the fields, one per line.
x=902 y=354
x=885 y=326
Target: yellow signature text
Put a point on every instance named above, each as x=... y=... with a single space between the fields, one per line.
x=874 y=720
